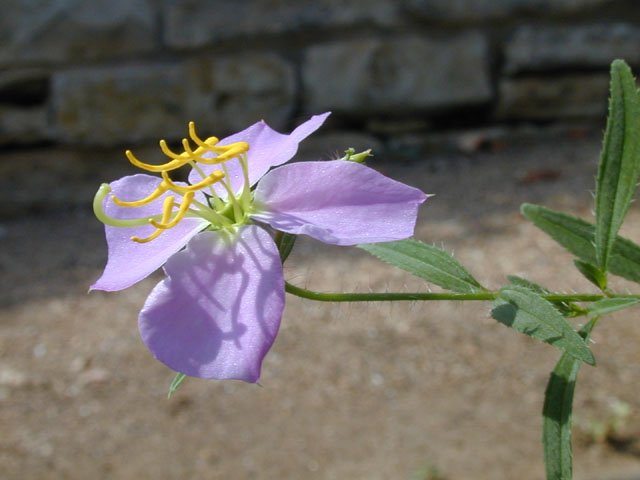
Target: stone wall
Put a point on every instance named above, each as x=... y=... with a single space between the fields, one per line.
x=122 y=72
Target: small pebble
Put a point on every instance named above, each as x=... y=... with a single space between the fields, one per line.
x=93 y=376
x=12 y=378
x=40 y=350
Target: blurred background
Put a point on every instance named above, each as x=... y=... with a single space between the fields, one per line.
x=486 y=103
x=104 y=73
x=405 y=76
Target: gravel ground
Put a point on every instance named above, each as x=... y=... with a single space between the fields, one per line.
x=378 y=391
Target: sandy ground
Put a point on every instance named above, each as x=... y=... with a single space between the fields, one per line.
x=378 y=391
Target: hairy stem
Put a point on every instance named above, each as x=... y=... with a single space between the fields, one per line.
x=397 y=296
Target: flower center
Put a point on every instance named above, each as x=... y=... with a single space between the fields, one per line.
x=219 y=213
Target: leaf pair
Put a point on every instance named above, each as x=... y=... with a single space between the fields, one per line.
x=518 y=306
x=599 y=249
x=528 y=312
x=578 y=236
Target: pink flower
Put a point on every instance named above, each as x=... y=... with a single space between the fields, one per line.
x=218 y=311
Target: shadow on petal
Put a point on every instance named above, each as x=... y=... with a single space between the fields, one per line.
x=218 y=311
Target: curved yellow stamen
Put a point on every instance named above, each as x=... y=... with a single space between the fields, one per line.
x=160 y=189
x=184 y=206
x=153 y=236
x=170 y=153
x=209 y=180
x=166 y=215
x=207 y=144
x=190 y=156
x=196 y=155
x=228 y=151
x=172 y=165
x=224 y=153
x=234 y=150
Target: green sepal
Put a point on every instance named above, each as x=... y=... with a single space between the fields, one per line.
x=350 y=155
x=610 y=305
x=427 y=262
x=557 y=411
x=619 y=166
x=285 y=243
x=592 y=273
x=577 y=236
x=177 y=381
x=527 y=312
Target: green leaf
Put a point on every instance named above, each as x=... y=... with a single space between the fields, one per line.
x=619 y=162
x=592 y=273
x=177 y=381
x=558 y=405
x=565 y=309
x=573 y=233
x=609 y=305
x=577 y=236
x=625 y=259
x=523 y=282
x=527 y=312
x=427 y=262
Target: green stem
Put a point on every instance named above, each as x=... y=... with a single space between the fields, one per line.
x=397 y=296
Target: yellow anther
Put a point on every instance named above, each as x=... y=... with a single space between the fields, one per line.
x=167 y=208
x=160 y=189
x=224 y=153
x=153 y=236
x=234 y=150
x=227 y=151
x=155 y=168
x=166 y=215
x=197 y=154
x=184 y=206
x=187 y=149
x=209 y=180
x=221 y=154
x=208 y=143
x=183 y=157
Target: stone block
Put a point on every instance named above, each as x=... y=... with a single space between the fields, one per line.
x=37 y=181
x=146 y=102
x=401 y=75
x=251 y=88
x=193 y=23
x=23 y=126
x=535 y=49
x=47 y=32
x=469 y=11
x=130 y=104
x=550 y=98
